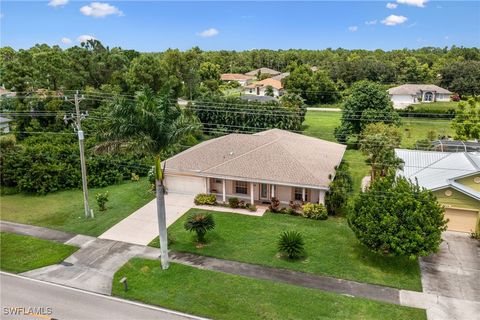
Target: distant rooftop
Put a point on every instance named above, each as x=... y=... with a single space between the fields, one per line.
x=413 y=89
x=263 y=71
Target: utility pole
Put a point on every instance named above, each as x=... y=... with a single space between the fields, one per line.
x=161 y=213
x=78 y=127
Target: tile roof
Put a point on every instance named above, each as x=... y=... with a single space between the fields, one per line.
x=274 y=155
x=262 y=71
x=437 y=170
x=281 y=76
x=234 y=77
x=413 y=89
x=277 y=84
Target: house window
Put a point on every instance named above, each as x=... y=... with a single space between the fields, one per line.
x=241 y=187
x=251 y=90
x=218 y=181
x=298 y=194
x=428 y=97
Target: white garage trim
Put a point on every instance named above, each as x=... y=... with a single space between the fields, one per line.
x=184 y=184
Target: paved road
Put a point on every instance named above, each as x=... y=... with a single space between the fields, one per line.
x=71 y=304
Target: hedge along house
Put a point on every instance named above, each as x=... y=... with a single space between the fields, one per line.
x=257 y=167
x=454 y=178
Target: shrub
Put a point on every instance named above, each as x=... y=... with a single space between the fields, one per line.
x=252 y=208
x=233 y=202
x=102 y=199
x=316 y=211
x=241 y=204
x=291 y=244
x=340 y=189
x=200 y=223
x=205 y=199
x=134 y=177
x=274 y=205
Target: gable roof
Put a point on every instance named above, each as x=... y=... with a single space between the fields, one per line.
x=413 y=89
x=281 y=76
x=5 y=120
x=438 y=170
x=275 y=155
x=234 y=77
x=277 y=84
x=262 y=71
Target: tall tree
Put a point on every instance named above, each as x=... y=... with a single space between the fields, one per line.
x=467 y=120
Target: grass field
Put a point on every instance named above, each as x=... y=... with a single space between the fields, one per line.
x=63 y=210
x=435 y=107
x=22 y=253
x=331 y=247
x=223 y=296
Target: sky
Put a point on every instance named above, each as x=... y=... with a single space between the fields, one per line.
x=229 y=25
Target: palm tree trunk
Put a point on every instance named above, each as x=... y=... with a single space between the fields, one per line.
x=162 y=223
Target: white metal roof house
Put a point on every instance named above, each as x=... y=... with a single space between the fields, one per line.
x=454 y=178
x=256 y=167
x=407 y=94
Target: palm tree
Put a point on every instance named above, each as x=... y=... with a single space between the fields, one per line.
x=146 y=126
x=200 y=223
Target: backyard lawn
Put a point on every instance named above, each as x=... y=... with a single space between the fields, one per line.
x=22 y=253
x=224 y=296
x=331 y=247
x=63 y=210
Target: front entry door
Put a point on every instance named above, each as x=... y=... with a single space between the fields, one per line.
x=263 y=191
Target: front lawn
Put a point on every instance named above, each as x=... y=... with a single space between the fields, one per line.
x=224 y=296
x=23 y=253
x=331 y=247
x=63 y=210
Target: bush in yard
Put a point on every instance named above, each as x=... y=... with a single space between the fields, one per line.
x=291 y=244
x=102 y=199
x=274 y=205
x=252 y=208
x=233 y=202
x=397 y=217
x=200 y=223
x=205 y=199
x=340 y=189
x=316 y=211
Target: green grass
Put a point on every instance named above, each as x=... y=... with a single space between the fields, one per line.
x=415 y=129
x=64 y=210
x=22 y=253
x=223 y=296
x=331 y=247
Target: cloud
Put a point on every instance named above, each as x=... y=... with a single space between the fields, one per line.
x=212 y=32
x=391 y=5
x=353 y=29
x=66 y=40
x=57 y=3
x=100 y=10
x=371 y=22
x=393 y=20
x=414 y=3
x=85 y=38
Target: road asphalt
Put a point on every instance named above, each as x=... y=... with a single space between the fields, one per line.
x=57 y=302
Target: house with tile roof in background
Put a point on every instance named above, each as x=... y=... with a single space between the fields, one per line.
x=257 y=167
x=242 y=79
x=454 y=178
x=408 y=94
x=260 y=88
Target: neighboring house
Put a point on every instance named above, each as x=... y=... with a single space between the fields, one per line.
x=281 y=76
x=407 y=94
x=5 y=125
x=238 y=77
x=259 y=88
x=268 y=71
x=4 y=93
x=251 y=97
x=456 y=146
x=257 y=167
x=454 y=178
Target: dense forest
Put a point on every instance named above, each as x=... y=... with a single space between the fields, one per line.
x=94 y=65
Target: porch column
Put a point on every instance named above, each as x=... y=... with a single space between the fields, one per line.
x=224 y=196
x=207 y=185
x=272 y=188
x=321 y=196
x=251 y=193
x=303 y=194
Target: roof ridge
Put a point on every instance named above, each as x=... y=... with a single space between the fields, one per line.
x=431 y=164
x=474 y=164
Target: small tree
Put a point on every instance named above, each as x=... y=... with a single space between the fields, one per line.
x=291 y=243
x=340 y=189
x=200 y=223
x=397 y=217
x=269 y=91
x=467 y=120
x=102 y=199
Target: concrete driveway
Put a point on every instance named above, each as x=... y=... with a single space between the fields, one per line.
x=141 y=226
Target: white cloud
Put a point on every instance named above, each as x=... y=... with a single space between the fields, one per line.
x=66 y=40
x=391 y=5
x=371 y=22
x=212 y=32
x=414 y=3
x=85 y=38
x=57 y=3
x=393 y=20
x=100 y=10
x=353 y=28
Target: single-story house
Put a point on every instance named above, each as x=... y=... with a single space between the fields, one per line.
x=281 y=76
x=407 y=94
x=5 y=125
x=256 y=167
x=454 y=178
x=240 y=78
x=259 y=88
x=268 y=71
x=456 y=146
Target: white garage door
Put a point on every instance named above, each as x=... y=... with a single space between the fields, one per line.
x=185 y=184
